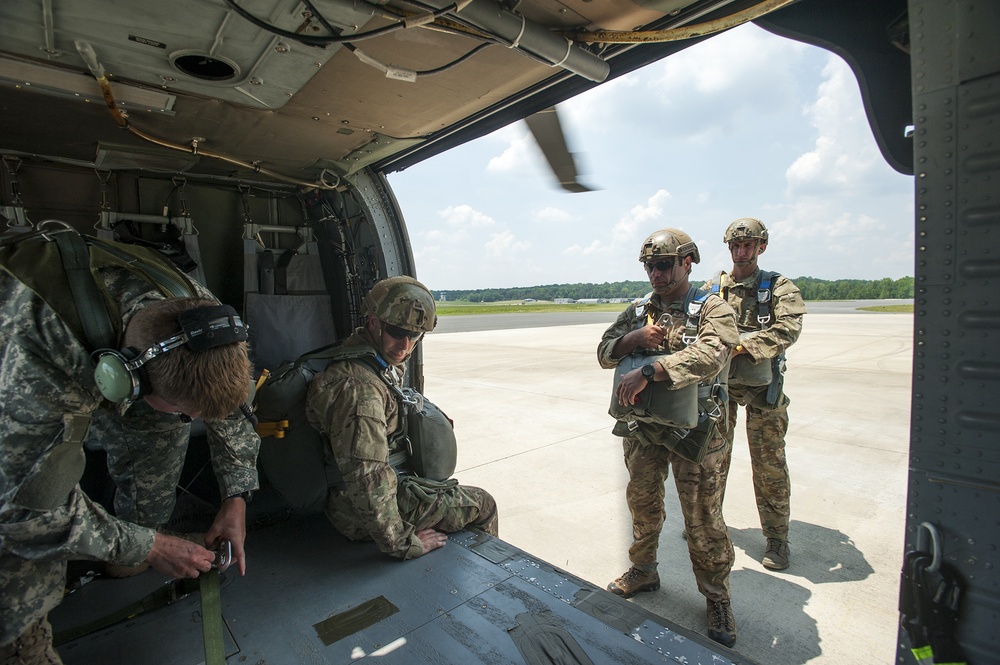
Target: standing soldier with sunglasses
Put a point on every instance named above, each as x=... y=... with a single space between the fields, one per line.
x=679 y=341
x=357 y=413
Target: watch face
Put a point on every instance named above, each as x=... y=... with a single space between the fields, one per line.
x=648 y=371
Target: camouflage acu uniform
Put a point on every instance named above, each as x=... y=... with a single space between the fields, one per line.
x=48 y=401
x=700 y=488
x=357 y=413
x=766 y=423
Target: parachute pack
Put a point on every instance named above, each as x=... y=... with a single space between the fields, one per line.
x=743 y=370
x=295 y=458
x=59 y=265
x=684 y=419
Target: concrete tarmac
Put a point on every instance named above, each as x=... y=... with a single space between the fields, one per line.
x=530 y=409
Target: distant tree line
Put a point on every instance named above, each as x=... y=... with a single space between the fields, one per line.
x=854 y=289
x=812 y=289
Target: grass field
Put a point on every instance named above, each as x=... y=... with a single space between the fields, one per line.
x=453 y=308
x=903 y=309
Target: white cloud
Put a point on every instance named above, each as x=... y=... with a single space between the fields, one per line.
x=591 y=249
x=465 y=216
x=520 y=149
x=638 y=221
x=730 y=62
x=845 y=154
x=505 y=243
x=552 y=214
x=432 y=235
x=643 y=216
x=703 y=91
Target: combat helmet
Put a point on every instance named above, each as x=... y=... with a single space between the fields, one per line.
x=402 y=301
x=668 y=242
x=745 y=228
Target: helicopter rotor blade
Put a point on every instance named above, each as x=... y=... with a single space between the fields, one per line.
x=549 y=135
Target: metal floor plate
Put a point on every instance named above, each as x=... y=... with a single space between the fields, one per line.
x=477 y=600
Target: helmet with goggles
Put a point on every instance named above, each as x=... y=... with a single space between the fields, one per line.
x=404 y=302
x=745 y=228
x=668 y=243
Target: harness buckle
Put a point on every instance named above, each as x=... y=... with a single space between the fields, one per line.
x=716 y=411
x=223 y=556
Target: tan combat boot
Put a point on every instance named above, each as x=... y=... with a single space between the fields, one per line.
x=776 y=555
x=33 y=646
x=721 y=622
x=633 y=581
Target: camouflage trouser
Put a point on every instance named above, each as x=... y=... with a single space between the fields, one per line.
x=766 y=428
x=700 y=489
x=146 y=452
x=145 y=458
x=31 y=589
x=32 y=647
x=448 y=510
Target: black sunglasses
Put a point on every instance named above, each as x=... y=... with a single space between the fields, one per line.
x=399 y=333
x=663 y=265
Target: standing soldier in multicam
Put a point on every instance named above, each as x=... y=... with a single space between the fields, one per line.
x=692 y=345
x=769 y=311
x=358 y=415
x=50 y=399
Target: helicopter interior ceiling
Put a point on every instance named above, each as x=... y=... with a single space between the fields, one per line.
x=308 y=90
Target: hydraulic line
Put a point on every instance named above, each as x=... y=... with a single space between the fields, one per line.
x=90 y=57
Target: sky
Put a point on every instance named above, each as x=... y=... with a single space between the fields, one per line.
x=745 y=124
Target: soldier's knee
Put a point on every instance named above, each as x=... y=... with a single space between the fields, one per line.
x=488 y=519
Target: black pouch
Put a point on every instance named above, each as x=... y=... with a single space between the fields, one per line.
x=691 y=444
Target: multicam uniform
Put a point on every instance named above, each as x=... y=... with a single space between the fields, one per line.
x=766 y=423
x=48 y=400
x=356 y=412
x=700 y=488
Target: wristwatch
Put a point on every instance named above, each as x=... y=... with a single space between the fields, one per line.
x=649 y=371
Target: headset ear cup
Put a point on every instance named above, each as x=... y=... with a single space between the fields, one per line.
x=116 y=382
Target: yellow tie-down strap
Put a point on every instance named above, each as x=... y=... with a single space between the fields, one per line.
x=275 y=429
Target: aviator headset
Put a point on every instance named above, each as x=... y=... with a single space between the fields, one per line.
x=119 y=374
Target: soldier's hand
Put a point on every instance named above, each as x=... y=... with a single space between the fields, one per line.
x=630 y=386
x=178 y=557
x=431 y=539
x=231 y=524
x=648 y=337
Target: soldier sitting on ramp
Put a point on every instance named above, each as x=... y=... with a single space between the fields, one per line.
x=358 y=404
